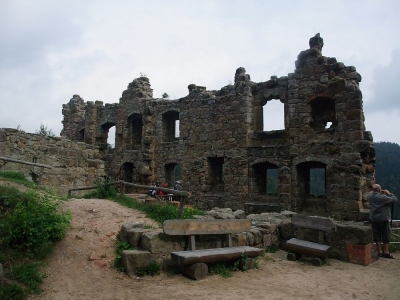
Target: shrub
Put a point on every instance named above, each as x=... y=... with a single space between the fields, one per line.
x=103 y=190
x=11 y=292
x=31 y=222
x=29 y=275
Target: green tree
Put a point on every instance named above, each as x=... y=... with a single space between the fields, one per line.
x=44 y=130
x=165 y=96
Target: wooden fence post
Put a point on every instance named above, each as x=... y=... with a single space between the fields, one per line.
x=122 y=188
x=181 y=203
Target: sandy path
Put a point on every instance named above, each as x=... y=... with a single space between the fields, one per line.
x=72 y=275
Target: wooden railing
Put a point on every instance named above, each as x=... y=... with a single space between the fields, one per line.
x=180 y=194
x=8 y=159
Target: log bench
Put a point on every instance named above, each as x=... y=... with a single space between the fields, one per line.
x=298 y=246
x=194 y=262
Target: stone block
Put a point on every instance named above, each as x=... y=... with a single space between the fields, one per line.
x=158 y=242
x=128 y=226
x=134 y=259
x=361 y=254
x=133 y=236
x=239 y=239
x=353 y=233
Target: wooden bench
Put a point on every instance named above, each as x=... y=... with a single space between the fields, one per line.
x=194 y=262
x=298 y=246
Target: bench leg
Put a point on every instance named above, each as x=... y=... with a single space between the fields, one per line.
x=196 y=271
x=292 y=256
x=316 y=261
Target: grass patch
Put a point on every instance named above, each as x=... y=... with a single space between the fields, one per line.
x=157 y=212
x=153 y=268
x=16 y=177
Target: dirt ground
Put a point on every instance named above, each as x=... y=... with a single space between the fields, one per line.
x=82 y=268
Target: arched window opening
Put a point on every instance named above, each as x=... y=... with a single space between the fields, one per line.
x=103 y=141
x=273 y=115
x=170 y=121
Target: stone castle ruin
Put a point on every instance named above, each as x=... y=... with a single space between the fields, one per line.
x=321 y=162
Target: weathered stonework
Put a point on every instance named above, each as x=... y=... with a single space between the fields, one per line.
x=224 y=153
x=74 y=164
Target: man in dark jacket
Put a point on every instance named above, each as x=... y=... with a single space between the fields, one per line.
x=380 y=202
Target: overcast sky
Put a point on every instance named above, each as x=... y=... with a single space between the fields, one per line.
x=51 y=50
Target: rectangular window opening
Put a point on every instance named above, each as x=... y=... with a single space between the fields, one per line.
x=317 y=182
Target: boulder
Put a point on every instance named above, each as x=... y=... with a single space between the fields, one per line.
x=134 y=259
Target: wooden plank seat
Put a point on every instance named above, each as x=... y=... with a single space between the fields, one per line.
x=194 y=262
x=298 y=246
x=208 y=256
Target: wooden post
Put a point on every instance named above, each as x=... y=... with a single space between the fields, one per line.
x=122 y=188
x=182 y=201
x=40 y=175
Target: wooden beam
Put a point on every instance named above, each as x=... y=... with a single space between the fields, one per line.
x=24 y=162
x=183 y=258
x=156 y=188
x=306 y=247
x=197 y=227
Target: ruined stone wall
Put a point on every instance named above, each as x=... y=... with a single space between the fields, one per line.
x=227 y=158
x=75 y=164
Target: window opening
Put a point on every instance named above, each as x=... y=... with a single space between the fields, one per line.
x=312 y=179
x=177 y=128
x=170 y=126
x=81 y=135
x=272 y=181
x=111 y=137
x=216 y=173
x=135 y=131
x=323 y=114
x=266 y=178
x=128 y=172
x=273 y=115
x=317 y=182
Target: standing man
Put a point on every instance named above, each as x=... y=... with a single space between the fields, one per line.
x=380 y=202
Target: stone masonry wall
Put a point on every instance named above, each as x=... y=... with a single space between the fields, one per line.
x=224 y=153
x=75 y=164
